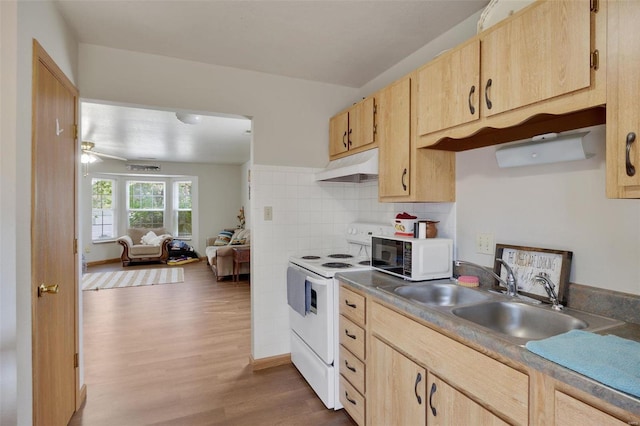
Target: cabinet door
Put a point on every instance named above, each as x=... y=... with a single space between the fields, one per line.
x=540 y=54
x=395 y=139
x=449 y=89
x=569 y=411
x=623 y=103
x=397 y=395
x=338 y=133
x=447 y=406
x=362 y=126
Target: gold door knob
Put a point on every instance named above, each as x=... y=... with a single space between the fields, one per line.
x=47 y=289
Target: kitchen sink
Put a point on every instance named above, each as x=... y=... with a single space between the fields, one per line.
x=524 y=322
x=441 y=294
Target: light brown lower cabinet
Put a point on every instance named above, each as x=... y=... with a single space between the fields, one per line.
x=398 y=370
x=397 y=395
x=570 y=411
x=447 y=406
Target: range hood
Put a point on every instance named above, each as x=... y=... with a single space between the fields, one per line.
x=360 y=167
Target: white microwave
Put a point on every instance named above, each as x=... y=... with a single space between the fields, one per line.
x=414 y=259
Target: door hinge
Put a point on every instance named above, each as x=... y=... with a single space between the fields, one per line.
x=75 y=131
x=595 y=59
x=76 y=360
x=595 y=6
x=75 y=246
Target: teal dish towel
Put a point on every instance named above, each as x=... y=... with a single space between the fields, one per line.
x=609 y=359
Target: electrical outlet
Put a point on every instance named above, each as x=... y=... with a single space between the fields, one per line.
x=87 y=249
x=268 y=213
x=484 y=243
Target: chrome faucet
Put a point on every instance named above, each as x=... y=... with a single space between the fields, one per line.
x=510 y=283
x=544 y=280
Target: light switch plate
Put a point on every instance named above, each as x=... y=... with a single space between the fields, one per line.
x=268 y=213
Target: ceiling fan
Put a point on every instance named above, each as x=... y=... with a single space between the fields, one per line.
x=91 y=156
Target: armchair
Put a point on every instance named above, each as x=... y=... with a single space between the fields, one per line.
x=145 y=245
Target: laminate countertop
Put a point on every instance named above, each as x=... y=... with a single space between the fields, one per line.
x=369 y=281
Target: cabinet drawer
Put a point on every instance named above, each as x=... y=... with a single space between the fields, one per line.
x=352 y=337
x=352 y=401
x=489 y=382
x=352 y=369
x=352 y=306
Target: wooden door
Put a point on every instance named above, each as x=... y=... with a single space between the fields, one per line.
x=449 y=89
x=53 y=253
x=447 y=406
x=397 y=395
x=338 y=133
x=570 y=411
x=394 y=113
x=542 y=53
x=362 y=123
x=623 y=104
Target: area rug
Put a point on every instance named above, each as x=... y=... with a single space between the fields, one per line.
x=138 y=277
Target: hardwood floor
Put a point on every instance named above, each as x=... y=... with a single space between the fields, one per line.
x=178 y=354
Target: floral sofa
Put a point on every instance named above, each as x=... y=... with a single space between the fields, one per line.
x=145 y=245
x=219 y=251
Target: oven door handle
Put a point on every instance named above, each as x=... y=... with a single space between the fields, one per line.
x=315 y=281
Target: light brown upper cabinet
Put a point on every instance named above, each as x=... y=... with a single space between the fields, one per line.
x=449 y=89
x=623 y=104
x=407 y=174
x=541 y=70
x=394 y=113
x=354 y=129
x=536 y=56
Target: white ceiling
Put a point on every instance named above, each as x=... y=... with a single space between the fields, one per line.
x=154 y=135
x=343 y=42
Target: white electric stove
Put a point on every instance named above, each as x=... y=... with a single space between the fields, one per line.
x=314 y=335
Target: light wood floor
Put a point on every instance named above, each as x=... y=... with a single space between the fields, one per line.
x=178 y=354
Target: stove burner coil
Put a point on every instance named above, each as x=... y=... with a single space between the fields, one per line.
x=338 y=265
x=340 y=256
x=365 y=263
x=310 y=257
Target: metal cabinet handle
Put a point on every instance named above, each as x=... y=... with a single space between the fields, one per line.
x=353 y=401
x=486 y=94
x=346 y=364
x=349 y=138
x=353 y=336
x=631 y=138
x=42 y=289
x=472 y=109
x=351 y=305
x=433 y=390
x=404 y=185
x=344 y=136
x=415 y=388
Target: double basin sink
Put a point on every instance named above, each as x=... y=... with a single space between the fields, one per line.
x=511 y=318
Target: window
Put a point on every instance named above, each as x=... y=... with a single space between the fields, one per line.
x=102 y=209
x=182 y=205
x=145 y=204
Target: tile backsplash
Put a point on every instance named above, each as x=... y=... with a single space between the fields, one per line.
x=309 y=216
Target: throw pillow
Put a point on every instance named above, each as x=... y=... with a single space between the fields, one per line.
x=238 y=238
x=149 y=238
x=223 y=239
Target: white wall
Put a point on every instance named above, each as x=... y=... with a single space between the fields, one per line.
x=8 y=218
x=559 y=206
x=38 y=20
x=216 y=207
x=290 y=116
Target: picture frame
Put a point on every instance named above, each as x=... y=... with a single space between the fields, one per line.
x=527 y=262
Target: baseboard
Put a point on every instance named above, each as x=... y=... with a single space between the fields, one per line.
x=103 y=262
x=269 y=362
x=82 y=397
